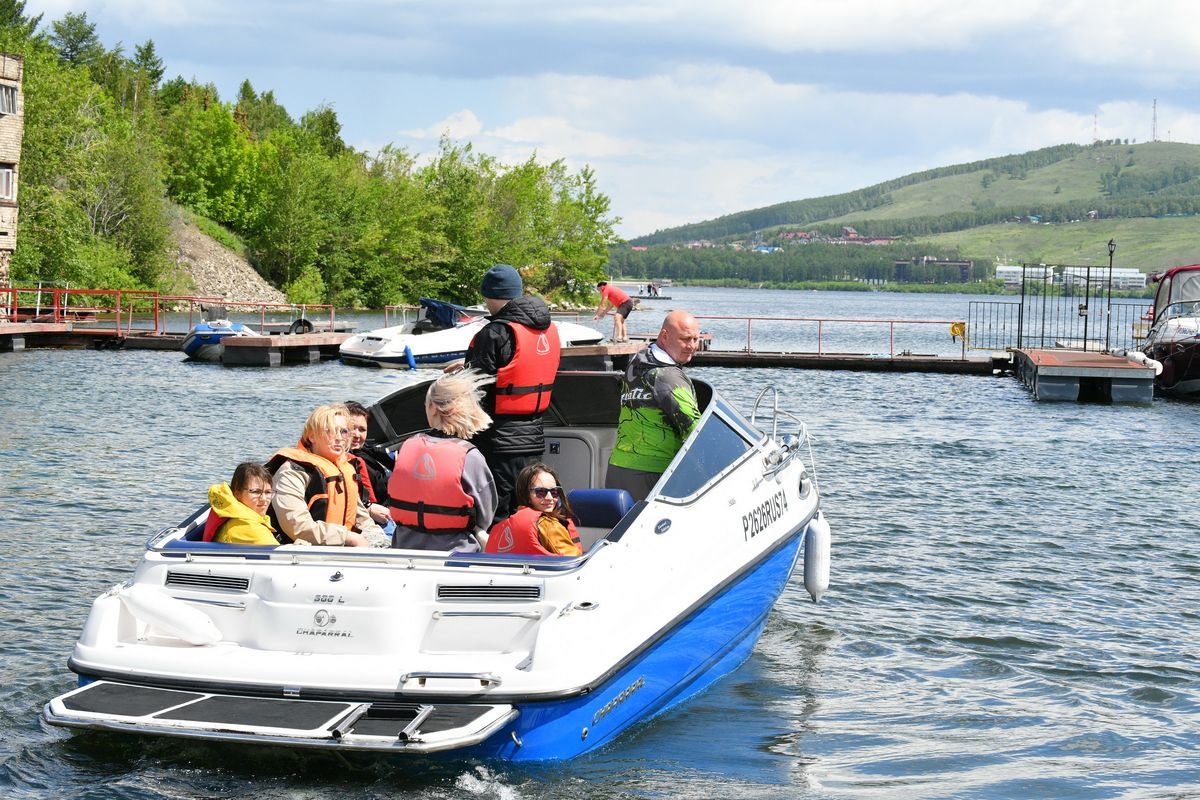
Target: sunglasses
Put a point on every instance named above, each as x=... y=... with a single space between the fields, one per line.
x=540 y=492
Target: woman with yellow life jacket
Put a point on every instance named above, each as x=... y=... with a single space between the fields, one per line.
x=316 y=494
x=441 y=493
x=239 y=508
x=544 y=523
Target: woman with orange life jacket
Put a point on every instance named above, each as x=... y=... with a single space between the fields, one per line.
x=544 y=523
x=239 y=508
x=441 y=493
x=316 y=494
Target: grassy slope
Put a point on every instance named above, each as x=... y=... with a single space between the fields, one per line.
x=1076 y=178
x=1145 y=243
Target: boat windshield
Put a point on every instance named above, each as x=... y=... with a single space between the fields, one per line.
x=1190 y=308
x=720 y=443
x=1181 y=287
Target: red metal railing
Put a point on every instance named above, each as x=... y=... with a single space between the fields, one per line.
x=823 y=321
x=124 y=311
x=250 y=306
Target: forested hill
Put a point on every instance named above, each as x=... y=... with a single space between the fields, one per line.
x=1113 y=179
x=109 y=146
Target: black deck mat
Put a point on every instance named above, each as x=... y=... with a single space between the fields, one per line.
x=123 y=700
x=259 y=712
x=443 y=718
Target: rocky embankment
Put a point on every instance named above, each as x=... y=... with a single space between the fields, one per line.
x=216 y=271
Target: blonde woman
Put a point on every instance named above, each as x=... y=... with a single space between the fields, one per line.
x=441 y=492
x=316 y=495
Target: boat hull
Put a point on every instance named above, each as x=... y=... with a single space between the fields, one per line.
x=712 y=641
x=1180 y=375
x=203 y=342
x=707 y=643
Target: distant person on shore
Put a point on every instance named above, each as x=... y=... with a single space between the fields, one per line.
x=239 y=508
x=316 y=494
x=441 y=493
x=658 y=407
x=621 y=305
x=520 y=346
x=373 y=471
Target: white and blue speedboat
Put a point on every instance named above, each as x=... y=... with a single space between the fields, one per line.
x=438 y=336
x=203 y=342
x=483 y=656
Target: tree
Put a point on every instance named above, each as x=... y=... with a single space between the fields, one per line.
x=260 y=114
x=146 y=59
x=12 y=17
x=75 y=39
x=322 y=123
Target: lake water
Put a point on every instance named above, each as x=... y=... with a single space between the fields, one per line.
x=1013 y=611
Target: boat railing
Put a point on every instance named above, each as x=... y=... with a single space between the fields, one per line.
x=820 y=327
x=398 y=314
x=170 y=544
x=1182 y=308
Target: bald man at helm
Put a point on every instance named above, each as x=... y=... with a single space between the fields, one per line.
x=658 y=407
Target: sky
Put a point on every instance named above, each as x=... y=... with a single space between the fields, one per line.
x=690 y=109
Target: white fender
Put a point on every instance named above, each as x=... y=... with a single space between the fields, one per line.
x=167 y=615
x=816 y=557
x=1145 y=360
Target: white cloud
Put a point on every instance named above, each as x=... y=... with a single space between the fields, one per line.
x=459 y=125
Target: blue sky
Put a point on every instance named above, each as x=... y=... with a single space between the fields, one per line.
x=689 y=109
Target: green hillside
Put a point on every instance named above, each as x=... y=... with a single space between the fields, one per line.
x=1146 y=196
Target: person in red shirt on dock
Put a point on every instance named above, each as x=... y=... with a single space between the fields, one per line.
x=621 y=304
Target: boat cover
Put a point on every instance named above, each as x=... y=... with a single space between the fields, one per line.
x=346 y=724
x=444 y=315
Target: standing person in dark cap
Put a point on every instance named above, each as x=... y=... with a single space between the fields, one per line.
x=520 y=346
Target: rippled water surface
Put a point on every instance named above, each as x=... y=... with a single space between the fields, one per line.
x=1014 y=608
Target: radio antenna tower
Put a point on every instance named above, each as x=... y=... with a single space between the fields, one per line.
x=1095 y=127
x=1154 y=123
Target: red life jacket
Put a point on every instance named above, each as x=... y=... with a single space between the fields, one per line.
x=518 y=535
x=425 y=491
x=362 y=477
x=523 y=385
x=211 y=525
x=332 y=491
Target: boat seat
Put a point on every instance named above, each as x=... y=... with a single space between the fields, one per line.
x=598 y=511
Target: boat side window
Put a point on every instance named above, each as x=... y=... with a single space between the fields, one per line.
x=714 y=447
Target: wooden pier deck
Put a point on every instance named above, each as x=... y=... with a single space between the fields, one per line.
x=1073 y=375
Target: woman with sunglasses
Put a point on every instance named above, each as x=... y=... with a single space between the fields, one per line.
x=239 y=508
x=543 y=524
x=316 y=491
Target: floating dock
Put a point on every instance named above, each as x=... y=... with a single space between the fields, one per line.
x=858 y=362
x=1073 y=375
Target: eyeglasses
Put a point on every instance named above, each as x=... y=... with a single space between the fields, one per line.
x=259 y=492
x=540 y=492
x=339 y=433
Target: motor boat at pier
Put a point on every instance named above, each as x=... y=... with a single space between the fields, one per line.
x=1174 y=336
x=476 y=655
x=204 y=341
x=438 y=336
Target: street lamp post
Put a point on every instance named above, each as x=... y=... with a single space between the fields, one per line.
x=1112 y=248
